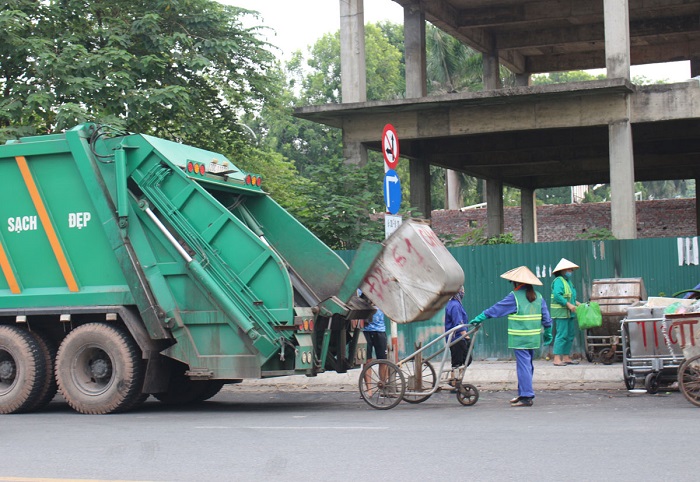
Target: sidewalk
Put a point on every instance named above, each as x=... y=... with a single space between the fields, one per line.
x=486 y=375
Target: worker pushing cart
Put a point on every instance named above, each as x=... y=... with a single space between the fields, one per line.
x=384 y=384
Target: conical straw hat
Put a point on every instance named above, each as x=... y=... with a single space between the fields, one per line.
x=522 y=274
x=564 y=264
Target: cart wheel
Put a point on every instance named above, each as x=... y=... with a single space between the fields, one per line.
x=689 y=380
x=426 y=377
x=630 y=382
x=382 y=384
x=467 y=394
x=606 y=356
x=588 y=350
x=651 y=383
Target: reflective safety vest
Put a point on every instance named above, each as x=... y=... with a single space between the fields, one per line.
x=525 y=326
x=555 y=309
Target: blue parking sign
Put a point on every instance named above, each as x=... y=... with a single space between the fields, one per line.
x=392 y=191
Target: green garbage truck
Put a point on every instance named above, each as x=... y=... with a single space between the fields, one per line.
x=135 y=266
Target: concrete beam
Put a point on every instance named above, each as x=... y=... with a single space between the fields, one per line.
x=562 y=37
x=643 y=54
x=353 y=71
x=516 y=116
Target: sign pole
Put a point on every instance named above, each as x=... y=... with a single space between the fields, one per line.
x=392 y=200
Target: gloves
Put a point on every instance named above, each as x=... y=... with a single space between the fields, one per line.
x=478 y=319
x=547 y=335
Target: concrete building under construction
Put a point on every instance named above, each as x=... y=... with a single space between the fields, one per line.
x=532 y=137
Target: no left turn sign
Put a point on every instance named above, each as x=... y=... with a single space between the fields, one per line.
x=390 y=146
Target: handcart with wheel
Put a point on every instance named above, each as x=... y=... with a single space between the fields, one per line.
x=614 y=295
x=652 y=345
x=685 y=328
x=384 y=384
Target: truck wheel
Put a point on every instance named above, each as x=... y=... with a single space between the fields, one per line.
x=99 y=369
x=212 y=388
x=22 y=370
x=49 y=388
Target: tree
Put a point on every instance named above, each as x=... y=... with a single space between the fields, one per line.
x=148 y=67
x=337 y=201
x=451 y=66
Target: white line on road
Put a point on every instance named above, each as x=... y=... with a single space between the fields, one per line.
x=291 y=428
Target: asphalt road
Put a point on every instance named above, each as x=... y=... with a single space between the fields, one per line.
x=589 y=435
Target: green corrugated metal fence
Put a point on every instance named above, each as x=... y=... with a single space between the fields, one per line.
x=666 y=265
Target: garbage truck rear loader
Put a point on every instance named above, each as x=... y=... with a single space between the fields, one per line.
x=132 y=265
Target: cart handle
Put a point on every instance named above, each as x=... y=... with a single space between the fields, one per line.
x=471 y=329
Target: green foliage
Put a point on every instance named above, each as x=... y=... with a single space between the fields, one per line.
x=564 y=77
x=597 y=234
x=340 y=201
x=322 y=84
x=476 y=237
x=451 y=65
x=181 y=70
x=554 y=195
x=505 y=238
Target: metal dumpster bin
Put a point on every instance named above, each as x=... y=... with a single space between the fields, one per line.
x=653 y=342
x=685 y=329
x=614 y=295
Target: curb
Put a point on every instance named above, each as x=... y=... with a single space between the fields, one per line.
x=485 y=375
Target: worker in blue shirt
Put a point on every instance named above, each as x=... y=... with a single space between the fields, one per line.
x=456 y=315
x=527 y=313
x=375 y=334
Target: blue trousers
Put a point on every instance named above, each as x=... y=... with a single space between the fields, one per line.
x=524 y=369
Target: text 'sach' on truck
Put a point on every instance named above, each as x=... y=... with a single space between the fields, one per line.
x=132 y=265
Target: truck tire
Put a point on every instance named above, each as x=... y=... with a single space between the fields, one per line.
x=22 y=370
x=99 y=369
x=49 y=387
x=213 y=387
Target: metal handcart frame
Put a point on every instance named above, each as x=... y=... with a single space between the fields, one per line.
x=651 y=351
x=685 y=328
x=383 y=384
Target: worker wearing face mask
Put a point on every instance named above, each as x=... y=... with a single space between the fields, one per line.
x=563 y=311
x=456 y=315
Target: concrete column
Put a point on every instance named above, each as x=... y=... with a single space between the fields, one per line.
x=528 y=215
x=354 y=152
x=352 y=51
x=414 y=45
x=494 y=207
x=419 y=171
x=617 y=38
x=697 y=207
x=623 y=214
x=522 y=80
x=454 y=199
x=695 y=67
x=416 y=86
x=492 y=74
x=494 y=188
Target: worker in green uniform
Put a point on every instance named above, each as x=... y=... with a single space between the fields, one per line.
x=528 y=318
x=563 y=311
